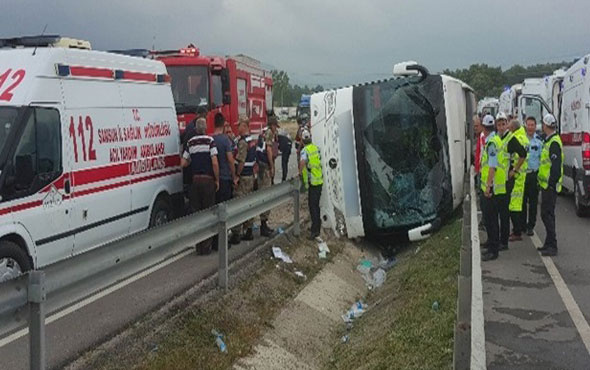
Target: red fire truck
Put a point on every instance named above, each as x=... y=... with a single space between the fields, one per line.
x=234 y=86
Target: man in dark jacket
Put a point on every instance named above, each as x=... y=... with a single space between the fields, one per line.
x=285 y=145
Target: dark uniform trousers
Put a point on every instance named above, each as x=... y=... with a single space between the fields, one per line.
x=530 y=200
x=489 y=211
x=548 y=199
x=202 y=196
x=315 y=192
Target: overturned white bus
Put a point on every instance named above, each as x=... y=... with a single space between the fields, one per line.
x=394 y=153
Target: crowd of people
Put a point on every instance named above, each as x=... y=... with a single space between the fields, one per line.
x=513 y=164
x=221 y=166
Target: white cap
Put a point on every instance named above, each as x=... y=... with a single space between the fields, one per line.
x=501 y=115
x=549 y=120
x=488 y=120
x=305 y=135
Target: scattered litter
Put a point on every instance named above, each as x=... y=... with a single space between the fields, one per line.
x=300 y=274
x=379 y=277
x=356 y=310
x=435 y=306
x=345 y=339
x=255 y=227
x=446 y=238
x=323 y=248
x=219 y=340
x=279 y=254
x=155 y=348
x=280 y=230
x=387 y=263
x=364 y=267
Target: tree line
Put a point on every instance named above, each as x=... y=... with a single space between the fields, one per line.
x=491 y=81
x=286 y=95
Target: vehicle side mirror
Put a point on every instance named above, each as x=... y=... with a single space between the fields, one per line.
x=24 y=173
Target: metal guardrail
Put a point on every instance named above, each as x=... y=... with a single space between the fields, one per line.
x=25 y=300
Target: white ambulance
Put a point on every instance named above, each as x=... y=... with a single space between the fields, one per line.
x=575 y=133
x=394 y=153
x=89 y=149
x=488 y=105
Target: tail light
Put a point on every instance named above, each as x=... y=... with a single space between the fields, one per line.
x=586 y=150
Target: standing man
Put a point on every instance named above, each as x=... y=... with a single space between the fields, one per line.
x=510 y=146
x=493 y=186
x=285 y=145
x=311 y=161
x=550 y=179
x=225 y=157
x=201 y=155
x=266 y=166
x=531 y=189
x=244 y=179
x=517 y=174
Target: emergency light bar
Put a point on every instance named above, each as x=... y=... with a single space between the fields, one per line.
x=63 y=70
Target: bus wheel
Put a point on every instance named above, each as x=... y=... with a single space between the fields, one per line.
x=13 y=261
x=161 y=212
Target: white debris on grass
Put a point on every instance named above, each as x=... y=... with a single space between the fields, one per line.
x=356 y=310
x=279 y=254
x=323 y=248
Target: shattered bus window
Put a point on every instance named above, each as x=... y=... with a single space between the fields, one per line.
x=402 y=157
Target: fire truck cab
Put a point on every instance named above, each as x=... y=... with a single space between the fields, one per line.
x=234 y=86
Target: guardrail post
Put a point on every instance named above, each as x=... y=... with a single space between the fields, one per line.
x=222 y=246
x=36 y=297
x=296 y=229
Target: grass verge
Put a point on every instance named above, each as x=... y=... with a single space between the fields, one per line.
x=243 y=315
x=402 y=330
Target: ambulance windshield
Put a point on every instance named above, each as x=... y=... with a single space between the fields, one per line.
x=190 y=87
x=8 y=116
x=403 y=160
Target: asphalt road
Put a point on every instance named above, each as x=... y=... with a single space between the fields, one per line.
x=527 y=323
x=88 y=326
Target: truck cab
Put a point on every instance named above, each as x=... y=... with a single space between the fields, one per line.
x=234 y=86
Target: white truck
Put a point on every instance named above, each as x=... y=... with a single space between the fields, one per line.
x=488 y=105
x=394 y=153
x=89 y=149
x=508 y=101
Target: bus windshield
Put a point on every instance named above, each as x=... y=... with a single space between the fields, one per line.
x=190 y=87
x=403 y=158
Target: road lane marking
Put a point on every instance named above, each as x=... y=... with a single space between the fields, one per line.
x=70 y=309
x=478 y=339
x=566 y=296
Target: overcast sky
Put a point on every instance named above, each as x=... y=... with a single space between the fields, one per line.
x=330 y=42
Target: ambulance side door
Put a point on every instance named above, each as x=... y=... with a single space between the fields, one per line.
x=102 y=145
x=40 y=191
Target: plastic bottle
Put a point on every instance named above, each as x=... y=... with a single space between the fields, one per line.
x=219 y=341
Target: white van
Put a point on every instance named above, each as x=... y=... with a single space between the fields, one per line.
x=394 y=153
x=508 y=101
x=89 y=150
x=575 y=133
x=488 y=105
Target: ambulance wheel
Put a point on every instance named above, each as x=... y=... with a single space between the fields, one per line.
x=581 y=210
x=161 y=212
x=13 y=261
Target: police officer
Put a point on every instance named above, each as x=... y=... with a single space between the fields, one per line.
x=517 y=177
x=266 y=166
x=550 y=178
x=510 y=147
x=493 y=186
x=531 y=189
x=313 y=180
x=244 y=179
